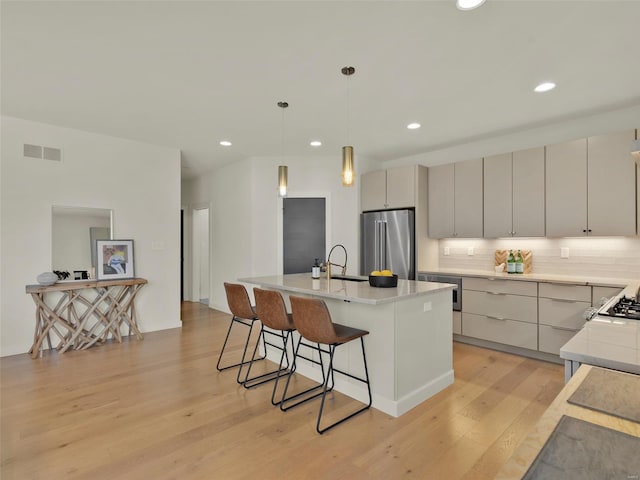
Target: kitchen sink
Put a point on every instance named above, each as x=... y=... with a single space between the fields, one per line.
x=349 y=278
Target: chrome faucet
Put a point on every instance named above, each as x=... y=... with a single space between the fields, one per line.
x=344 y=267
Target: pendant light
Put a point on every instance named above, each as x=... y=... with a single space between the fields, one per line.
x=282 y=169
x=635 y=150
x=347 y=151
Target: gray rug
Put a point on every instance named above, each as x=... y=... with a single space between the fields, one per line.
x=581 y=450
x=610 y=392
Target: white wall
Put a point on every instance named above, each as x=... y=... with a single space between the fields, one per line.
x=245 y=214
x=139 y=182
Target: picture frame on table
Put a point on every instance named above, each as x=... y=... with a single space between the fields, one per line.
x=114 y=259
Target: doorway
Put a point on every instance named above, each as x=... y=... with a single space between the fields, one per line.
x=304 y=233
x=200 y=272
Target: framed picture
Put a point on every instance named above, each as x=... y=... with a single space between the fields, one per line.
x=115 y=259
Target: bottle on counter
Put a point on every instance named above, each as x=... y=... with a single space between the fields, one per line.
x=315 y=270
x=519 y=262
x=511 y=263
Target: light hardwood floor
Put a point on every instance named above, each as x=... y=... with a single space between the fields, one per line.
x=158 y=409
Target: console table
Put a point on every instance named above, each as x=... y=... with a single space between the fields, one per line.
x=83 y=313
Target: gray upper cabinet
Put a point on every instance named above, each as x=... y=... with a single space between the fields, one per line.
x=455 y=200
x=590 y=187
x=468 y=199
x=528 y=193
x=386 y=189
x=611 y=185
x=566 y=189
x=441 y=201
x=514 y=194
x=498 y=196
x=373 y=190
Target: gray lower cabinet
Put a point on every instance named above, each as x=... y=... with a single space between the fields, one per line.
x=457 y=323
x=561 y=310
x=539 y=316
x=500 y=311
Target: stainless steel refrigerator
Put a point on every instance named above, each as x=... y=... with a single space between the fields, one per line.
x=387 y=240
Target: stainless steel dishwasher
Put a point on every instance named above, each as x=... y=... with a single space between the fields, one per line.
x=457 y=281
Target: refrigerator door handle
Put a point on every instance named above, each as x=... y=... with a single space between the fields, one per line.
x=376 y=245
x=383 y=245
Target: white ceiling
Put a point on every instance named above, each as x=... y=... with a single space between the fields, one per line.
x=189 y=74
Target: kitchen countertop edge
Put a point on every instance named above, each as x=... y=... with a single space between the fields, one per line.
x=359 y=292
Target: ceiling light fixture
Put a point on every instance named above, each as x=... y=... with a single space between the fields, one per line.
x=283 y=169
x=315 y=143
x=544 y=87
x=225 y=143
x=413 y=126
x=347 y=151
x=468 y=4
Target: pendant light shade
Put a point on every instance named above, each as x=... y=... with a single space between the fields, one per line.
x=283 y=170
x=282 y=180
x=348 y=172
x=347 y=166
x=635 y=151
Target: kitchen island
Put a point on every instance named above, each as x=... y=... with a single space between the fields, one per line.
x=409 y=346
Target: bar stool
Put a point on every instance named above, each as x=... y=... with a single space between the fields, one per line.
x=242 y=314
x=313 y=321
x=273 y=314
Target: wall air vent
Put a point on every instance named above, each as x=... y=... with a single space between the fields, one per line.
x=42 y=153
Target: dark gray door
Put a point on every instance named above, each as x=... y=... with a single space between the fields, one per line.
x=303 y=231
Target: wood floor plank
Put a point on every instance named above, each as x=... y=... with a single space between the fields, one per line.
x=158 y=409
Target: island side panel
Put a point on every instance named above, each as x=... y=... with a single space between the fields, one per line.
x=424 y=348
x=379 y=346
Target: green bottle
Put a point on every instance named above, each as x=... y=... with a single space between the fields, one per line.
x=519 y=262
x=511 y=263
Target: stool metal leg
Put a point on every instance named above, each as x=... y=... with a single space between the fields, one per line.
x=332 y=349
x=247 y=323
x=269 y=376
x=285 y=399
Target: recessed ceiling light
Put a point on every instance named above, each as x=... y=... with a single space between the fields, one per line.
x=225 y=143
x=545 y=87
x=413 y=126
x=468 y=4
x=315 y=143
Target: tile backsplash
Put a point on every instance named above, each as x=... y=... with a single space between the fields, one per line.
x=608 y=257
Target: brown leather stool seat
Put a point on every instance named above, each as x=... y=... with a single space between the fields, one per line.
x=313 y=322
x=242 y=314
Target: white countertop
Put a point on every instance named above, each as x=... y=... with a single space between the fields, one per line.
x=608 y=342
x=539 y=277
x=359 y=292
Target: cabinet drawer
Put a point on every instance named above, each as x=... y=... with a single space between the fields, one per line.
x=552 y=339
x=457 y=323
x=580 y=293
x=561 y=313
x=498 y=285
x=599 y=293
x=501 y=305
x=509 y=332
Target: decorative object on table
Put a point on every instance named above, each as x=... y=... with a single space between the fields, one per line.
x=115 y=259
x=80 y=275
x=383 y=279
x=501 y=256
x=47 y=278
x=62 y=275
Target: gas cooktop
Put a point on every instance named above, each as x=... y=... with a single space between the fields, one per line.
x=625 y=307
